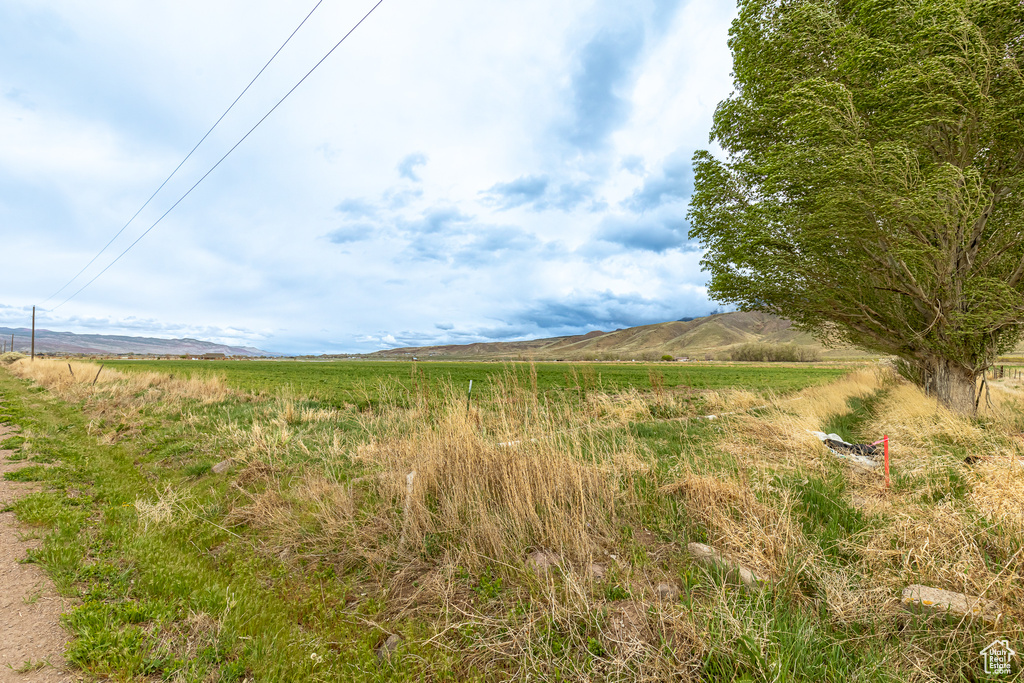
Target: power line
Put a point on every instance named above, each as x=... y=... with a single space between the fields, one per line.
x=187 y=156
x=228 y=153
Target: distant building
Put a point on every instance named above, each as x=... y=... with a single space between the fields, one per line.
x=211 y=356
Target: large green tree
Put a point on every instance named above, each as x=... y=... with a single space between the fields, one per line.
x=871 y=183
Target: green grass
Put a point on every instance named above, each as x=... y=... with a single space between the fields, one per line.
x=199 y=597
x=850 y=425
x=358 y=382
x=140 y=589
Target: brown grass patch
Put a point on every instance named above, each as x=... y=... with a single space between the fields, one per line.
x=482 y=499
x=757 y=535
x=114 y=390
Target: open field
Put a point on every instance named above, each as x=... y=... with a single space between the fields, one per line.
x=372 y=527
x=350 y=382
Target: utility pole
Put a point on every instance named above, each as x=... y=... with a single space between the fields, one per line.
x=33 y=333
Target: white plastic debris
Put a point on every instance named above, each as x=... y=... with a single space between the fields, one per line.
x=859 y=459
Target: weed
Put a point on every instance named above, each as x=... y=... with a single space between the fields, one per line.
x=198 y=469
x=489 y=585
x=30 y=665
x=31 y=473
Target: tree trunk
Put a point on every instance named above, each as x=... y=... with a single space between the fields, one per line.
x=955 y=386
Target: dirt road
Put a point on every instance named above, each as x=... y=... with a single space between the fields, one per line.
x=30 y=609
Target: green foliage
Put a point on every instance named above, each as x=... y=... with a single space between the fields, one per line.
x=10 y=357
x=490 y=584
x=827 y=517
x=871 y=190
x=615 y=592
x=774 y=353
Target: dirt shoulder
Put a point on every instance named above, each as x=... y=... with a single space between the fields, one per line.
x=30 y=609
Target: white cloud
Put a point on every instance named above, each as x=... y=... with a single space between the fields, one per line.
x=452 y=170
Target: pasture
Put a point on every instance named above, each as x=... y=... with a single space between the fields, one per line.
x=350 y=382
x=281 y=521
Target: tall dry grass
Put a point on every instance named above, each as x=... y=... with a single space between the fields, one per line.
x=780 y=437
x=761 y=536
x=74 y=381
x=561 y=491
x=952 y=520
x=429 y=492
x=463 y=486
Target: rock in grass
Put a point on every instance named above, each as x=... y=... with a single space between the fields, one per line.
x=389 y=646
x=666 y=592
x=707 y=555
x=542 y=561
x=221 y=467
x=918 y=598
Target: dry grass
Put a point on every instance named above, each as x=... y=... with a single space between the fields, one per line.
x=946 y=524
x=780 y=438
x=759 y=536
x=458 y=486
x=428 y=495
x=487 y=500
x=73 y=381
x=161 y=512
x=998 y=493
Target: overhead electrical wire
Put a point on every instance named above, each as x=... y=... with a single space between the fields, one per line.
x=219 y=161
x=187 y=156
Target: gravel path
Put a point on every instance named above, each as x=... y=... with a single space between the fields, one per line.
x=30 y=609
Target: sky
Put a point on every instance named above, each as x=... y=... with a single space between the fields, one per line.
x=454 y=172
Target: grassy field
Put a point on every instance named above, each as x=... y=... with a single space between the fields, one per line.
x=352 y=382
x=372 y=527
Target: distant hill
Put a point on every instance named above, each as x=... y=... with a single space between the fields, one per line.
x=698 y=338
x=48 y=341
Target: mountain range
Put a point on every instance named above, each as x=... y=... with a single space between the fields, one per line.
x=712 y=336
x=48 y=341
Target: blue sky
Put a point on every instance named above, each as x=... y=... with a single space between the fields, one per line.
x=455 y=172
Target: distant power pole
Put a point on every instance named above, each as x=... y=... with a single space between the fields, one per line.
x=33 y=333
